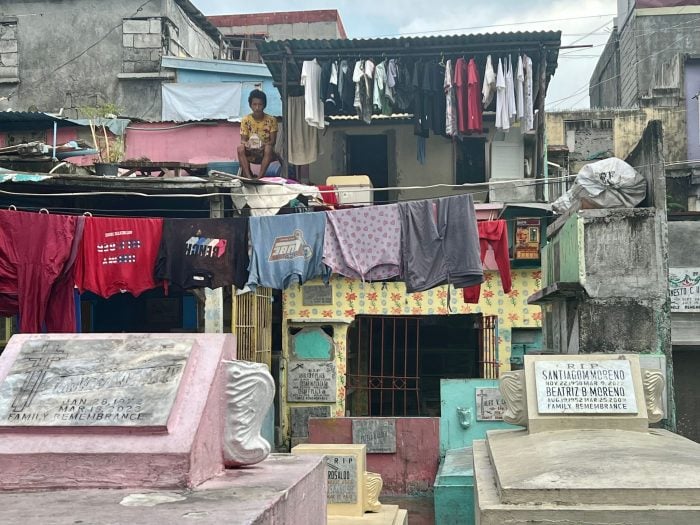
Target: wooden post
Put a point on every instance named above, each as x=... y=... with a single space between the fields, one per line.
x=538 y=167
x=285 y=120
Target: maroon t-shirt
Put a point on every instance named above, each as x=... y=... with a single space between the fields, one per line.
x=460 y=80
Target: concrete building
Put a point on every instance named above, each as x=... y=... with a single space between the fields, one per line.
x=108 y=53
x=415 y=339
x=650 y=69
x=241 y=32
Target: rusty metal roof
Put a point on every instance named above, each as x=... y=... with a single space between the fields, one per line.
x=533 y=43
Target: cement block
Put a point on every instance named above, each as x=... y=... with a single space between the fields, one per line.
x=146 y=67
x=131 y=54
x=9 y=72
x=128 y=40
x=149 y=40
x=8 y=46
x=8 y=32
x=154 y=26
x=8 y=59
x=135 y=26
x=300 y=30
x=128 y=67
x=156 y=55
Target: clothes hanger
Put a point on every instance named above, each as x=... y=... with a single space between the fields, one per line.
x=12 y=207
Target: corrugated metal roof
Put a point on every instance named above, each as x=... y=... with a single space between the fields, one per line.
x=530 y=42
x=31 y=117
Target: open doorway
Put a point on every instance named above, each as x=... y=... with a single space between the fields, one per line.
x=395 y=363
x=368 y=155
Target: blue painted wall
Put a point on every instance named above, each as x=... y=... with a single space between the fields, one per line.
x=460 y=393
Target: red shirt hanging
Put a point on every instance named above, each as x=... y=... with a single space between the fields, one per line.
x=462 y=95
x=474 y=121
x=118 y=255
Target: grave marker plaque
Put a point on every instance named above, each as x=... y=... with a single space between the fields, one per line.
x=317 y=294
x=490 y=404
x=311 y=381
x=378 y=434
x=93 y=383
x=300 y=418
x=342 y=479
x=585 y=387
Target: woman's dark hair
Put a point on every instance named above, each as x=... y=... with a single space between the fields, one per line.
x=256 y=93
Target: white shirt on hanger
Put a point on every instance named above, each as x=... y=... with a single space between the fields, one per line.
x=529 y=102
x=311 y=80
x=510 y=91
x=502 y=120
x=519 y=95
x=488 y=88
x=451 y=102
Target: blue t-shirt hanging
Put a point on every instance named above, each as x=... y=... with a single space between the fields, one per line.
x=286 y=249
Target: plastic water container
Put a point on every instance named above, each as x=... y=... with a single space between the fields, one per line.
x=230 y=167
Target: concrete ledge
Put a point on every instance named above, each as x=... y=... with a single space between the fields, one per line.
x=9 y=80
x=159 y=75
x=282 y=490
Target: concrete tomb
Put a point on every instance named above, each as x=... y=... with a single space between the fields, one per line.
x=148 y=412
x=587 y=454
x=353 y=493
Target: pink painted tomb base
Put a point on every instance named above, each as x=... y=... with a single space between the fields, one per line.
x=190 y=453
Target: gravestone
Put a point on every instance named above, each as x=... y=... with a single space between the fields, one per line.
x=379 y=434
x=590 y=456
x=94 y=383
x=490 y=404
x=300 y=418
x=311 y=381
x=346 y=465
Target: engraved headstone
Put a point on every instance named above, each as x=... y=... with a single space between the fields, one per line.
x=93 y=383
x=317 y=295
x=342 y=478
x=378 y=434
x=490 y=404
x=300 y=418
x=585 y=387
x=311 y=381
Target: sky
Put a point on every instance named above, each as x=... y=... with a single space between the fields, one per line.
x=582 y=22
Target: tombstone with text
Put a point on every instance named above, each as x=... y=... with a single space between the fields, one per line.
x=591 y=455
x=147 y=409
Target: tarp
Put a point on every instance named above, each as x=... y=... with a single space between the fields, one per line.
x=216 y=101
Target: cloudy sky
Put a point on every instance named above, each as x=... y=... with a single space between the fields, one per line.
x=582 y=22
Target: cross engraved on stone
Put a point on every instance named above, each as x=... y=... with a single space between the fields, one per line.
x=42 y=358
x=480 y=396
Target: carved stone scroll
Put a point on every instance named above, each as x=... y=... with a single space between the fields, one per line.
x=653 y=381
x=250 y=390
x=512 y=387
x=373 y=486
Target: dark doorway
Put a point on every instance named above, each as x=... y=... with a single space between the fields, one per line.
x=686 y=360
x=368 y=155
x=395 y=363
x=471 y=161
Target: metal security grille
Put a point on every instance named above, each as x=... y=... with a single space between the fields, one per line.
x=252 y=325
x=383 y=366
x=488 y=345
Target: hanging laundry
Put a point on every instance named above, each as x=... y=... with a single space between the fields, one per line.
x=488 y=90
x=404 y=88
x=362 y=77
x=204 y=253
x=529 y=101
x=346 y=88
x=392 y=73
x=438 y=101
x=461 y=84
x=440 y=243
x=502 y=119
x=329 y=194
x=510 y=91
x=37 y=256
x=364 y=243
x=286 y=249
x=421 y=119
x=379 y=99
x=331 y=98
x=450 y=102
x=474 y=121
x=303 y=139
x=118 y=254
x=519 y=89
x=311 y=80
x=494 y=234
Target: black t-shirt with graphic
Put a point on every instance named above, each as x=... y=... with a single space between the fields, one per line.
x=204 y=253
